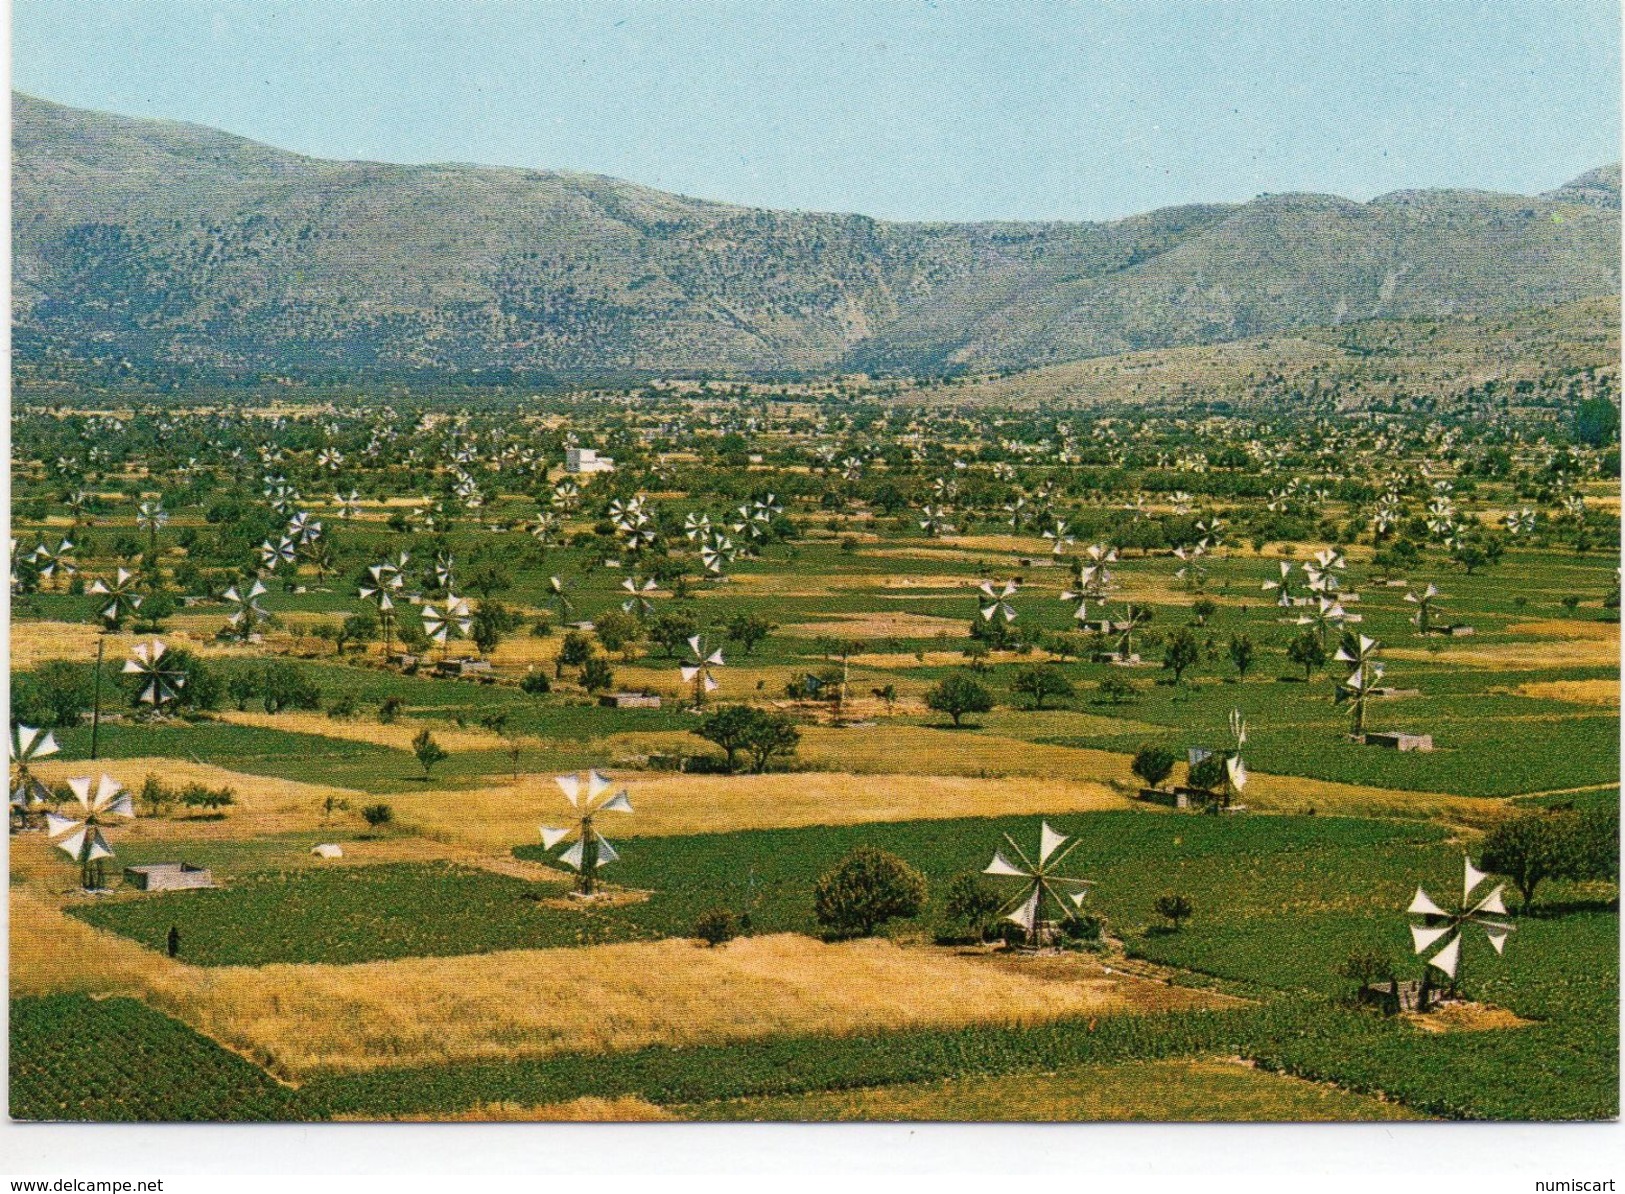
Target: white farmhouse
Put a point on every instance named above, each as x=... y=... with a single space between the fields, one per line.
x=587 y=460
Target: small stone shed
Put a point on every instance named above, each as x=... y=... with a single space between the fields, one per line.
x=168 y=876
x=630 y=700
x=1395 y=740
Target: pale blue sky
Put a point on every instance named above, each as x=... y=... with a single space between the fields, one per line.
x=903 y=110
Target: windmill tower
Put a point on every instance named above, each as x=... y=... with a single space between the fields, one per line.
x=80 y=837
x=1041 y=884
x=1426 y=602
x=1441 y=930
x=28 y=793
x=1361 y=651
x=159 y=683
x=247 y=611
x=440 y=626
x=590 y=850
x=1235 y=770
x=998 y=601
x=697 y=671
x=121 y=598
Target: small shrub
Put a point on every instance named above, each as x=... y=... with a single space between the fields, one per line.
x=342 y=707
x=377 y=815
x=716 y=926
x=536 y=684
x=971 y=903
x=1173 y=908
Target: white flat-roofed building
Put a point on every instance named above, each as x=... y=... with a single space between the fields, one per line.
x=587 y=460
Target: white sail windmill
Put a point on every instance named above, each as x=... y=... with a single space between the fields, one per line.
x=1282 y=587
x=1235 y=770
x=121 y=598
x=1441 y=930
x=275 y=555
x=1425 y=602
x=157 y=684
x=28 y=791
x=247 y=611
x=80 y=837
x=1095 y=577
x=1061 y=536
x=589 y=851
x=455 y=619
x=638 y=604
x=55 y=561
x=697 y=671
x=1041 y=882
x=998 y=601
x=1361 y=651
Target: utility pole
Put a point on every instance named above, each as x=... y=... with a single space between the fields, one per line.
x=96 y=709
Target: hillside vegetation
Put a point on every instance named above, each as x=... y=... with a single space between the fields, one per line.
x=141 y=241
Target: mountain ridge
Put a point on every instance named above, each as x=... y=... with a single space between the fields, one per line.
x=179 y=244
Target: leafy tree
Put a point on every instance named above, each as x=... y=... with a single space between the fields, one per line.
x=1040 y=682
x=596 y=675
x=761 y=734
x=1241 y=653
x=1117 y=689
x=1181 y=653
x=1308 y=652
x=58 y=694
x=773 y=735
x=1527 y=849
x=749 y=629
x=730 y=728
x=1209 y=775
x=284 y=686
x=616 y=629
x=357 y=630
x=868 y=888
x=1204 y=608
x=492 y=622
x=242 y=686
x=1173 y=908
x=574 y=651
x=1154 y=765
x=428 y=752
x=1477 y=549
x=535 y=684
x=957 y=695
x=972 y=902
x=672 y=629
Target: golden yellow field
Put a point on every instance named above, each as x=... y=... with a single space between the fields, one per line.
x=264 y=804
x=300 y=1019
x=494 y=818
x=1562 y=644
x=1580 y=692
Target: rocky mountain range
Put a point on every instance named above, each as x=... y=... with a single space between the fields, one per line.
x=154 y=242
